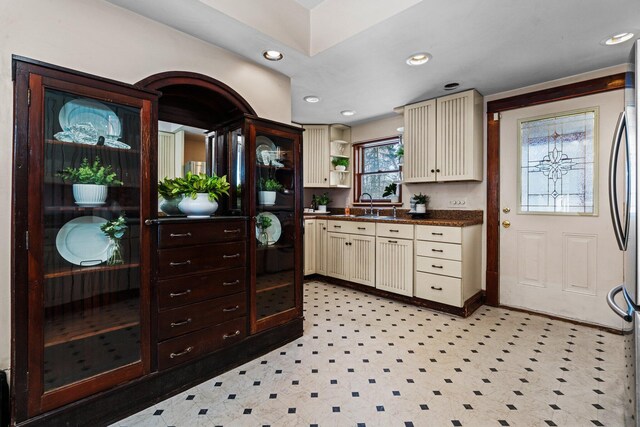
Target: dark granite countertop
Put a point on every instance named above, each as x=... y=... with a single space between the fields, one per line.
x=446 y=218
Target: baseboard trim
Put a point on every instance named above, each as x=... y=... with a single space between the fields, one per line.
x=471 y=305
x=564 y=319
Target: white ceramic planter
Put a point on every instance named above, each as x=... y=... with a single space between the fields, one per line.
x=170 y=206
x=341 y=168
x=394 y=199
x=421 y=208
x=267 y=198
x=89 y=195
x=200 y=207
x=322 y=208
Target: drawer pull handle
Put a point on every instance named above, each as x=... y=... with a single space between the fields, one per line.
x=231 y=256
x=237 y=230
x=181 y=323
x=182 y=353
x=180 y=235
x=228 y=310
x=179 y=294
x=394 y=231
x=362 y=228
x=392 y=241
x=436 y=288
x=235 y=282
x=337 y=226
x=437 y=250
x=176 y=264
x=235 y=334
x=436 y=266
x=436 y=234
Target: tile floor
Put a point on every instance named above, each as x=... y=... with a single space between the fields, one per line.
x=368 y=361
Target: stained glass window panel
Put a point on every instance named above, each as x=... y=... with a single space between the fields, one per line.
x=557 y=163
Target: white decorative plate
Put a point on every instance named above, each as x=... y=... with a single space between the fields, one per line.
x=265 y=149
x=81 y=242
x=88 y=111
x=273 y=231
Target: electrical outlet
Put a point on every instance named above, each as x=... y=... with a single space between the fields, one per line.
x=459 y=203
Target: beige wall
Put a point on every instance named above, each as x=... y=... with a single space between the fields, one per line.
x=99 y=38
x=194 y=148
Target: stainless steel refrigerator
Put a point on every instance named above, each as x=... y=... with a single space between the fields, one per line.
x=623 y=200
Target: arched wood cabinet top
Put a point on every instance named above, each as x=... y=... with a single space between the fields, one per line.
x=195 y=99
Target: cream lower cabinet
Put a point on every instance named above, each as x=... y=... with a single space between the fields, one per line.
x=394 y=258
x=310 y=246
x=321 y=246
x=447 y=263
x=351 y=251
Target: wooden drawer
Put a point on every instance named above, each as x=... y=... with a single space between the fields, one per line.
x=182 y=320
x=198 y=233
x=181 y=261
x=439 y=234
x=191 y=289
x=187 y=347
x=451 y=251
x=446 y=290
x=352 y=227
x=401 y=231
x=439 y=266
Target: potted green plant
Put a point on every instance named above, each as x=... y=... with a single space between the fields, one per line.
x=114 y=230
x=400 y=154
x=421 y=202
x=171 y=196
x=322 y=201
x=267 y=188
x=390 y=190
x=263 y=222
x=90 y=182
x=201 y=193
x=340 y=163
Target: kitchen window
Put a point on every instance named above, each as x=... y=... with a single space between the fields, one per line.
x=377 y=166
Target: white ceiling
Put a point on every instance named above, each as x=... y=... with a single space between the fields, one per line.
x=351 y=53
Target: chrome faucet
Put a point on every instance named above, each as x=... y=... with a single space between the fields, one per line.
x=370 y=201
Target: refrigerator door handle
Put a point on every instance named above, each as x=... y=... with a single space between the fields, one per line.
x=626 y=315
x=613 y=186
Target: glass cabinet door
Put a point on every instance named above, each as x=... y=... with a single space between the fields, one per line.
x=276 y=225
x=87 y=237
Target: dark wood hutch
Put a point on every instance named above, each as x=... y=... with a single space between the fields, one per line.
x=192 y=298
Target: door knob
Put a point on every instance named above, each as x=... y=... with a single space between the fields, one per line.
x=506 y=223
x=506 y=210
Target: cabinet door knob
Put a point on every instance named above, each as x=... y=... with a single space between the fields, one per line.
x=437 y=170
x=433 y=170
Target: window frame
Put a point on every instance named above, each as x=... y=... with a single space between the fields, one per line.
x=358 y=169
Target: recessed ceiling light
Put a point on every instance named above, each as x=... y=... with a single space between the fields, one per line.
x=312 y=99
x=617 y=39
x=451 y=86
x=272 y=55
x=347 y=112
x=400 y=129
x=418 y=58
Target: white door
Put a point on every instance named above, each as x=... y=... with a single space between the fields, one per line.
x=553 y=263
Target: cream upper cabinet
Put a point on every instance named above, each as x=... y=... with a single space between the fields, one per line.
x=419 y=141
x=443 y=139
x=321 y=145
x=315 y=156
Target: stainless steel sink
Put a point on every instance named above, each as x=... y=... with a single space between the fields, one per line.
x=343 y=216
x=369 y=216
